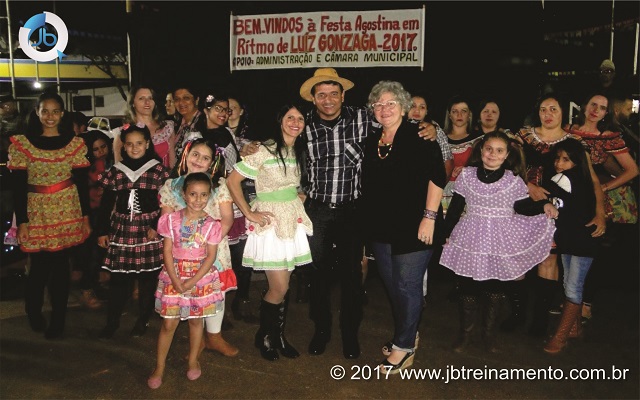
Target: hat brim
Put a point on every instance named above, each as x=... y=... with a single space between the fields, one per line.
x=305 y=89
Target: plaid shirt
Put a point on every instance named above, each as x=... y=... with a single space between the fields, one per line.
x=335 y=154
x=443 y=142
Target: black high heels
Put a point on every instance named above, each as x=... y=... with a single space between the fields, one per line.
x=405 y=363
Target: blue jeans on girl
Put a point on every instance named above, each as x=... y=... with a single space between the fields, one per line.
x=575 y=272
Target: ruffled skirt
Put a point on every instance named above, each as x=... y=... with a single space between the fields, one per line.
x=502 y=248
x=266 y=251
x=129 y=249
x=203 y=300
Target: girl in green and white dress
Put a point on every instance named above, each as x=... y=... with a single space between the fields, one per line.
x=277 y=224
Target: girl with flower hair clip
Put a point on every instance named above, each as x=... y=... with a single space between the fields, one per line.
x=200 y=155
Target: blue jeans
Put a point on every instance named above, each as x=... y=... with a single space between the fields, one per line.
x=402 y=276
x=575 y=272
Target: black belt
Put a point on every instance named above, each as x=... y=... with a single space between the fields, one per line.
x=345 y=204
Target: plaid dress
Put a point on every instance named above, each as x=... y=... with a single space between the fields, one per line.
x=129 y=249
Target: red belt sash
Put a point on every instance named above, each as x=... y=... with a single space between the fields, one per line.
x=56 y=187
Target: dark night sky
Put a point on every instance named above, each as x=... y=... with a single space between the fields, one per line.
x=472 y=48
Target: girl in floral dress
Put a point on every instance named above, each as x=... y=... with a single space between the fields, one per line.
x=51 y=207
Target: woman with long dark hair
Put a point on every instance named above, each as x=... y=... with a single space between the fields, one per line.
x=278 y=224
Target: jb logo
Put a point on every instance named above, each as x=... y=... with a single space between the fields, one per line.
x=34 y=36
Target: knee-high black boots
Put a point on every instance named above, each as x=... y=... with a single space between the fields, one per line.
x=517 y=294
x=266 y=337
x=492 y=309
x=468 y=309
x=270 y=336
x=281 y=342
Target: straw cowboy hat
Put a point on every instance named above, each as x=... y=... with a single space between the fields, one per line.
x=323 y=75
x=608 y=64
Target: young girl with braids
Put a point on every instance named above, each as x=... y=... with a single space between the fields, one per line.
x=201 y=155
x=129 y=233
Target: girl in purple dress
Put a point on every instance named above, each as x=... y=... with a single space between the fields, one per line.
x=499 y=238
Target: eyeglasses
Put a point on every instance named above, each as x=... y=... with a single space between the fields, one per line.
x=222 y=109
x=389 y=104
x=607 y=71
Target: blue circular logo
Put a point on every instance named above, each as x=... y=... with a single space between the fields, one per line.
x=56 y=43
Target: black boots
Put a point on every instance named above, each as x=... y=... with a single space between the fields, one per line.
x=265 y=339
x=491 y=312
x=468 y=309
x=270 y=336
x=281 y=342
x=319 y=341
x=241 y=307
x=544 y=292
x=242 y=310
x=517 y=293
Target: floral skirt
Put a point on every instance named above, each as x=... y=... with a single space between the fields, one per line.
x=203 y=300
x=621 y=206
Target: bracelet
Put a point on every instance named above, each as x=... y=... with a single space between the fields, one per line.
x=428 y=214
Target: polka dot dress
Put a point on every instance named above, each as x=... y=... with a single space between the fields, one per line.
x=491 y=241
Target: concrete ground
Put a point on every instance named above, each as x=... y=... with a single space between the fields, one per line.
x=80 y=366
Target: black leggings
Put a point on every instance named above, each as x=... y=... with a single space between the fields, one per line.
x=120 y=288
x=49 y=269
x=469 y=287
x=243 y=274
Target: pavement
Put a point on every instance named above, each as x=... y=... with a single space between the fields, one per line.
x=80 y=366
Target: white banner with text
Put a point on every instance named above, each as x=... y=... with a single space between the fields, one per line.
x=387 y=38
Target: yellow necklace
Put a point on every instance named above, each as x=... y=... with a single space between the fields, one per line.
x=389 y=147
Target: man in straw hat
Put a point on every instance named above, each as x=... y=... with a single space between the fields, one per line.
x=607 y=73
x=336 y=135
